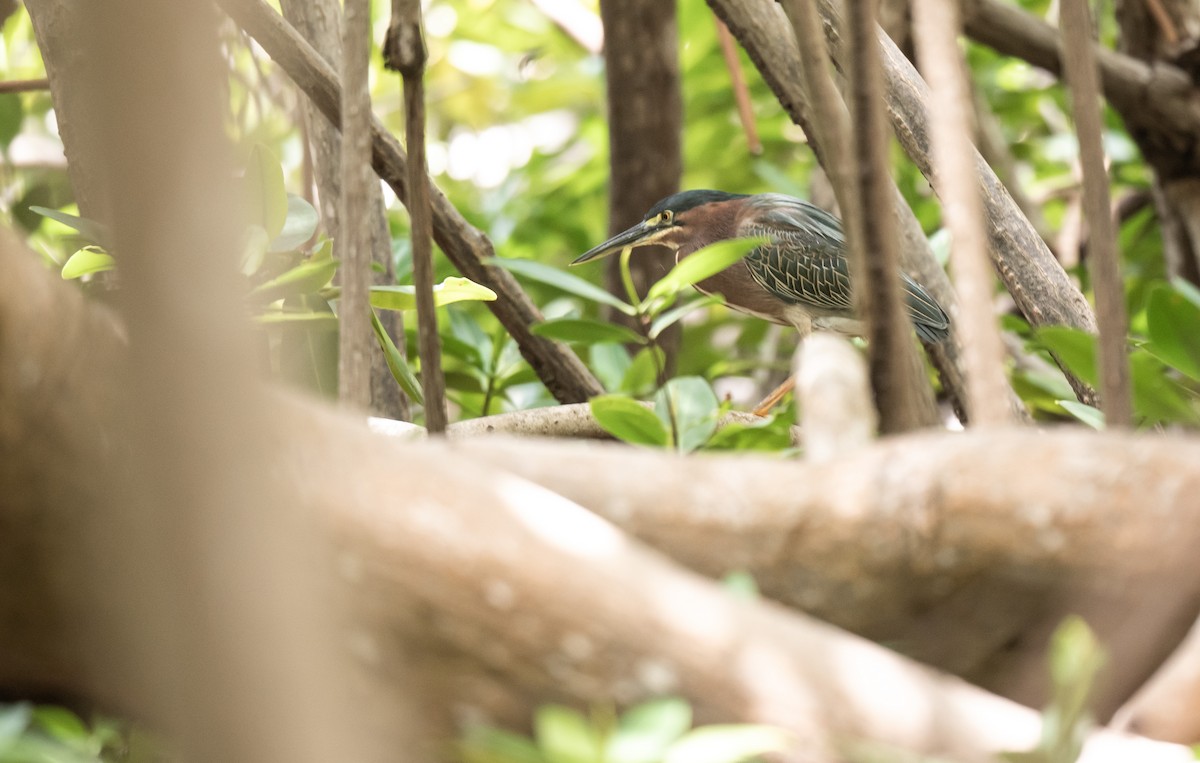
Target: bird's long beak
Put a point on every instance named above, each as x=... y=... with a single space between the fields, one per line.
x=639 y=235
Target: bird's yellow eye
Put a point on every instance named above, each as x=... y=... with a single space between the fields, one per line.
x=667 y=217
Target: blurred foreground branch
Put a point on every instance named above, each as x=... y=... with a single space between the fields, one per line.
x=475 y=585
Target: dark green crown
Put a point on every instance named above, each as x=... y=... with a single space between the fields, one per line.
x=685 y=200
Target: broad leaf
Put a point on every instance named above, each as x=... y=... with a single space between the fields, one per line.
x=89 y=229
x=265 y=192
x=306 y=278
x=301 y=319
x=453 y=289
x=687 y=406
x=610 y=362
x=559 y=279
x=628 y=420
x=1093 y=417
x=299 y=225
x=487 y=745
x=564 y=736
x=645 y=731
x=1173 y=322
x=587 y=331
x=642 y=375
x=672 y=316
x=396 y=363
x=696 y=267
x=88 y=260
x=727 y=744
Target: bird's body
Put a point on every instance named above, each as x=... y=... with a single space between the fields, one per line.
x=800 y=277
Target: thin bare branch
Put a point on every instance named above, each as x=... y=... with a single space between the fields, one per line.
x=936 y=26
x=741 y=93
x=354 y=326
x=873 y=238
x=404 y=51
x=1103 y=263
x=24 y=85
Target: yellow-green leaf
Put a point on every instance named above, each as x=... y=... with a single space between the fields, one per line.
x=90 y=259
x=265 y=192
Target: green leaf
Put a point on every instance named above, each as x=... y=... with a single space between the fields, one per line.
x=89 y=229
x=308 y=349
x=1187 y=289
x=1174 y=324
x=564 y=736
x=61 y=724
x=587 y=331
x=670 y=317
x=483 y=744
x=453 y=289
x=708 y=261
x=1093 y=417
x=299 y=225
x=254 y=249
x=559 y=279
x=396 y=363
x=265 y=191
x=14 y=719
x=645 y=731
x=88 y=260
x=642 y=375
x=687 y=407
x=628 y=420
x=610 y=362
x=285 y=318
x=11 y=116
x=727 y=744
x=1156 y=398
x=1076 y=349
x=741 y=585
x=306 y=278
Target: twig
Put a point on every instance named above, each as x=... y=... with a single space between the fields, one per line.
x=24 y=85
x=1163 y=20
x=936 y=27
x=354 y=327
x=404 y=51
x=740 y=92
x=1113 y=362
x=564 y=375
x=875 y=245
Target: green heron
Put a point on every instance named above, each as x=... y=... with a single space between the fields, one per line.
x=799 y=278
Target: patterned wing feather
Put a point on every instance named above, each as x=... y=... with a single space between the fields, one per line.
x=805 y=263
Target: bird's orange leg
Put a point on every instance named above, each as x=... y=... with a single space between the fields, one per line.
x=772 y=400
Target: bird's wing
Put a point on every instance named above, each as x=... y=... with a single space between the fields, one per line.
x=805 y=259
x=805 y=262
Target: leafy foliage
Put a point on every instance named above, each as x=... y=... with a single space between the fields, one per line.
x=658 y=731
x=50 y=734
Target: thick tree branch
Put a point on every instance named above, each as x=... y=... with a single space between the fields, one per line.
x=645 y=123
x=936 y=27
x=1036 y=281
x=482 y=579
x=555 y=364
x=1159 y=99
x=777 y=56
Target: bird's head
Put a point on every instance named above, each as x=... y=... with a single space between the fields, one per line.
x=672 y=222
